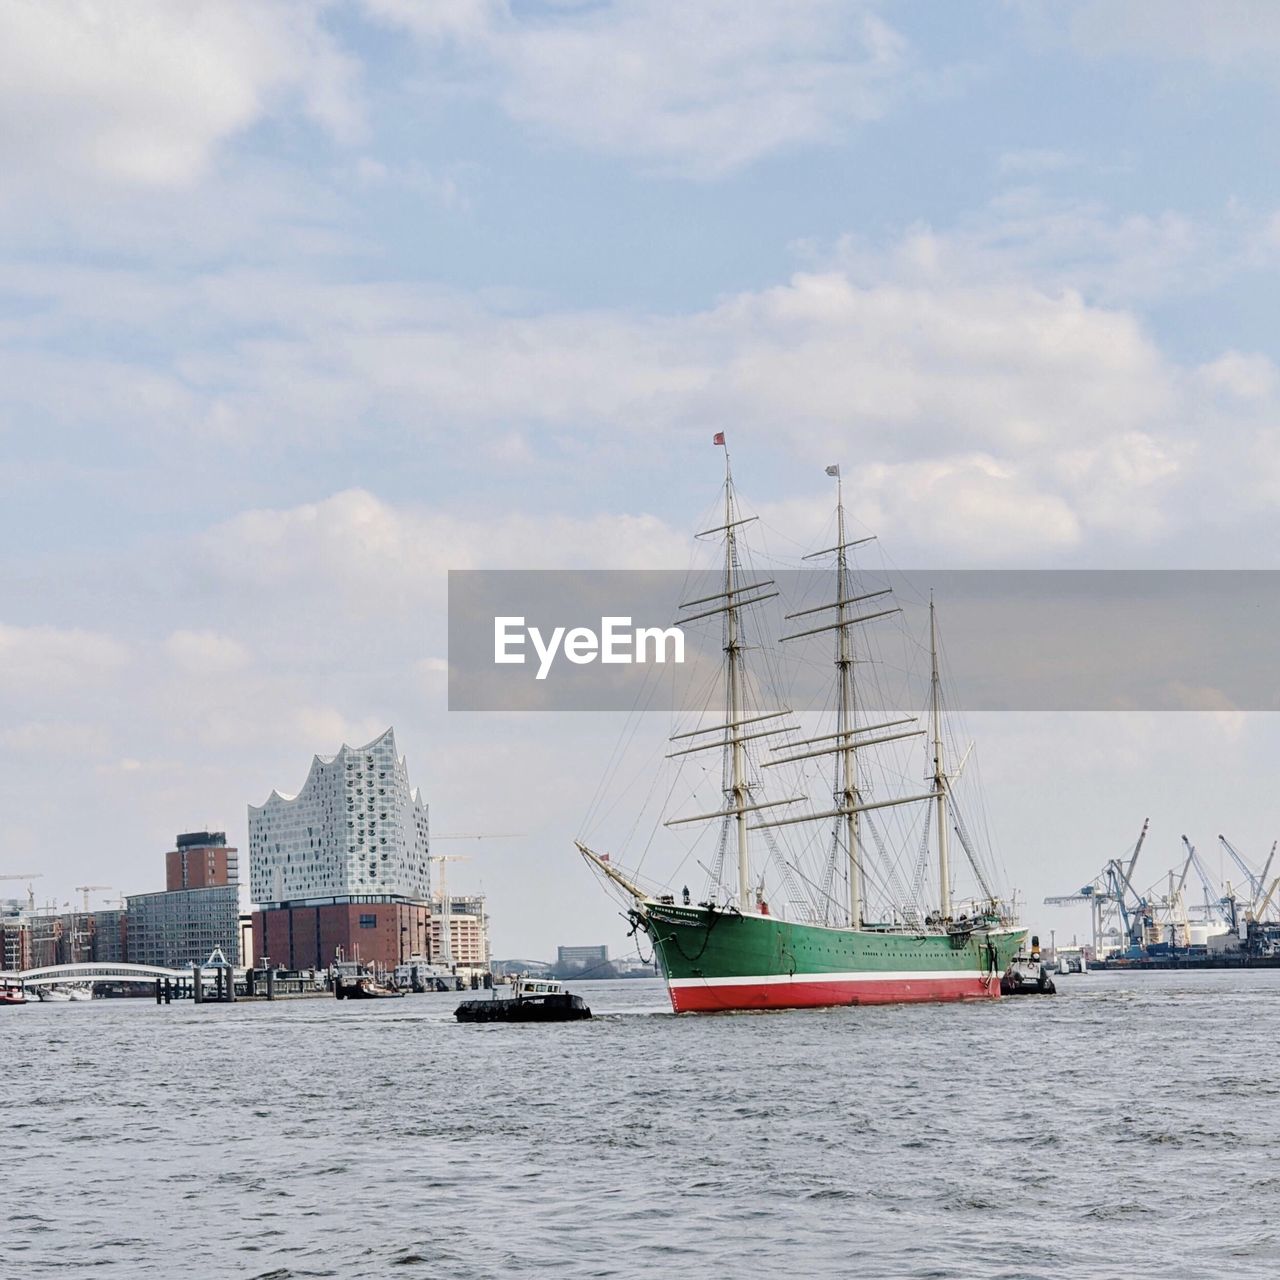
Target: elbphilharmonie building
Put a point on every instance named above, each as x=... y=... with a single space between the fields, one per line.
x=341 y=868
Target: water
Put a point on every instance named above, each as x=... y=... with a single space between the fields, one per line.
x=1122 y=1128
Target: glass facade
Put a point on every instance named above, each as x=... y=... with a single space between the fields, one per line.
x=182 y=928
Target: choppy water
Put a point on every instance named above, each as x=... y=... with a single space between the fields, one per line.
x=1123 y=1128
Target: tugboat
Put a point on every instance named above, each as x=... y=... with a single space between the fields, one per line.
x=11 y=995
x=1027 y=974
x=531 y=1000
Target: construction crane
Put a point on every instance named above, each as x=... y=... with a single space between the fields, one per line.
x=31 y=893
x=446 y=912
x=479 y=835
x=86 y=889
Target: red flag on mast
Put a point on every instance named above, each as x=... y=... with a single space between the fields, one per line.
x=718 y=438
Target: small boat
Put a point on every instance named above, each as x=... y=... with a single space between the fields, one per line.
x=53 y=995
x=531 y=1000
x=80 y=993
x=11 y=995
x=363 y=987
x=1027 y=975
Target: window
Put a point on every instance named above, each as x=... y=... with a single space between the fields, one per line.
x=368 y=922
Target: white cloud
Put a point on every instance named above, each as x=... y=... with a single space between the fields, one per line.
x=1018 y=393
x=144 y=94
x=40 y=661
x=1024 y=236
x=206 y=653
x=1243 y=376
x=359 y=548
x=697 y=88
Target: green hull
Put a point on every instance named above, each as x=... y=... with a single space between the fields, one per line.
x=718 y=960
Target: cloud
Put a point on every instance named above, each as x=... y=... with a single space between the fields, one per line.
x=1225 y=34
x=367 y=549
x=951 y=364
x=1022 y=235
x=145 y=94
x=1242 y=376
x=40 y=661
x=1002 y=363
x=698 y=89
x=206 y=653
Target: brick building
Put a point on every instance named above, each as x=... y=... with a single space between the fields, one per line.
x=202 y=860
x=312 y=935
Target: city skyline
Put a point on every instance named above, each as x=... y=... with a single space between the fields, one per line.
x=404 y=288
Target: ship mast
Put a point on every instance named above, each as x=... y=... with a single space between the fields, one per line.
x=939 y=773
x=849 y=737
x=847 y=781
x=731 y=738
x=733 y=692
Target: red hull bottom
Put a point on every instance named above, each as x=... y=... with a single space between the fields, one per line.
x=816 y=993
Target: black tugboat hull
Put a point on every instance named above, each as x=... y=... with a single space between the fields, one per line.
x=555 y=1008
x=1016 y=984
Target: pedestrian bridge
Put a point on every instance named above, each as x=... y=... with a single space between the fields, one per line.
x=71 y=974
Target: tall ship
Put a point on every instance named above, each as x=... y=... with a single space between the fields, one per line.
x=809 y=902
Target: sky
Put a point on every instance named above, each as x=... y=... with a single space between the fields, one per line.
x=303 y=304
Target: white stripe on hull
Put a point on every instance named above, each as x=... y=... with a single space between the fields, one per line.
x=884 y=975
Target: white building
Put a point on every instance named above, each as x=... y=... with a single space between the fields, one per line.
x=468 y=932
x=355 y=828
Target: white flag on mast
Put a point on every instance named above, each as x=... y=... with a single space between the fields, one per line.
x=834 y=470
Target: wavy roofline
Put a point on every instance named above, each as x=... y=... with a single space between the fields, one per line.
x=325 y=762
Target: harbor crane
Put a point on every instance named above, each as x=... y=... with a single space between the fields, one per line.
x=1255 y=881
x=1111 y=894
x=1261 y=902
x=1216 y=903
x=28 y=877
